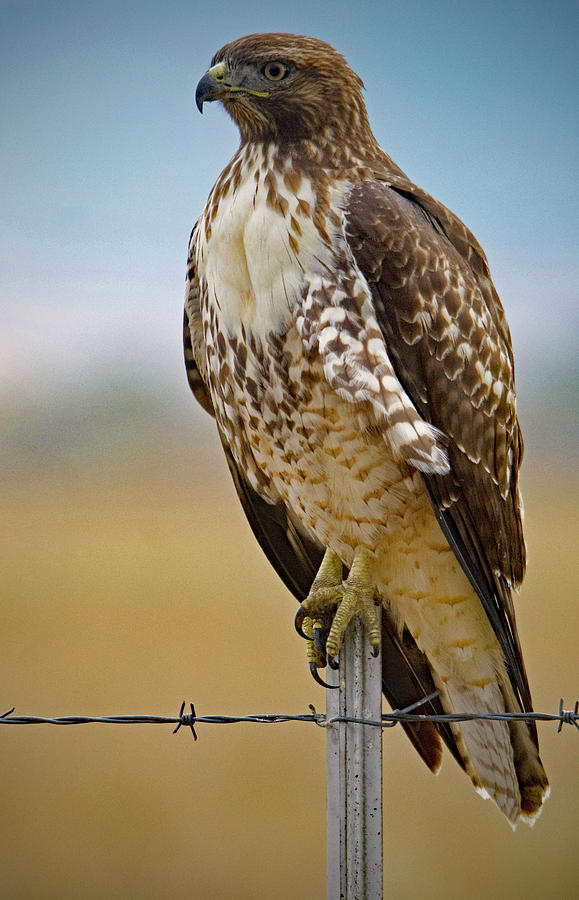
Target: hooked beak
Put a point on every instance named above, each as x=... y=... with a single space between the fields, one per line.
x=209 y=89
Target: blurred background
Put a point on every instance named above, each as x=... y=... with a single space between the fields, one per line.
x=130 y=580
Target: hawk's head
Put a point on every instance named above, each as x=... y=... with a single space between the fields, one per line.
x=285 y=87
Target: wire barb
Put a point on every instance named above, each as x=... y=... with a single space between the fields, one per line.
x=568 y=716
x=187 y=720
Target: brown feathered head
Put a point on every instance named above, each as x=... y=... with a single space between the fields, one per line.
x=286 y=87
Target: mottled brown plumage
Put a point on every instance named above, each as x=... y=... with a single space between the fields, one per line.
x=342 y=327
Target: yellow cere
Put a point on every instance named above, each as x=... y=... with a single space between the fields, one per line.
x=218 y=71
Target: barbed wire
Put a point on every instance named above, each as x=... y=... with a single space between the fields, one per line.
x=388 y=720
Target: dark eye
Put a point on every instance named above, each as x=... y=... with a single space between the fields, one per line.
x=275 y=71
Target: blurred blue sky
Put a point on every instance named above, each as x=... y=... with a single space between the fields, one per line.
x=105 y=164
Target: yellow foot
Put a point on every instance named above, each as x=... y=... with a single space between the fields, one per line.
x=332 y=603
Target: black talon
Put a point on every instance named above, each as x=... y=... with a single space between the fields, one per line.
x=319 y=643
x=317 y=678
x=375 y=651
x=300 y=616
x=333 y=663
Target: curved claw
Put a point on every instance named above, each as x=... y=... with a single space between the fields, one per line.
x=333 y=663
x=298 y=621
x=319 y=643
x=375 y=651
x=317 y=678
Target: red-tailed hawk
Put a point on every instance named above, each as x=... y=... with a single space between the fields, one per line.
x=342 y=327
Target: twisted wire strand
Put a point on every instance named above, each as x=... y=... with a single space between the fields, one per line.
x=389 y=720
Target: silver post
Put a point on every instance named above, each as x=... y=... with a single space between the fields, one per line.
x=354 y=773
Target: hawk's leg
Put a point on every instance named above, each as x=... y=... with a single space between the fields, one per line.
x=355 y=596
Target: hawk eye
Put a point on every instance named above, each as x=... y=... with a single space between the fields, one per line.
x=275 y=71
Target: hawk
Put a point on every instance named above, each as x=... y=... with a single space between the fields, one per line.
x=342 y=327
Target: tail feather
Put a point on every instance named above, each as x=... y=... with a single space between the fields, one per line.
x=500 y=757
x=533 y=783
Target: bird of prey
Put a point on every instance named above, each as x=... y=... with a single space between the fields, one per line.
x=342 y=327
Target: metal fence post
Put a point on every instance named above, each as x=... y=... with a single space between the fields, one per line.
x=354 y=773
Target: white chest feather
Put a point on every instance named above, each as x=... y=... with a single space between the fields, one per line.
x=255 y=240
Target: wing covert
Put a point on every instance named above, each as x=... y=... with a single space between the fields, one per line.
x=449 y=344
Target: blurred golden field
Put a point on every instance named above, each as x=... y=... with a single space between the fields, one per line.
x=130 y=588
